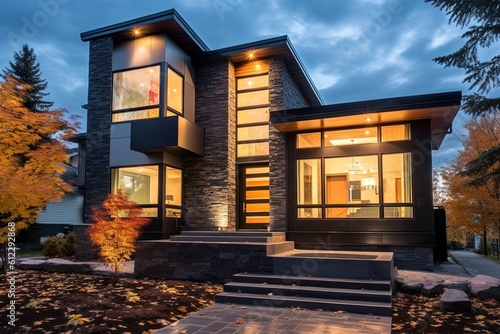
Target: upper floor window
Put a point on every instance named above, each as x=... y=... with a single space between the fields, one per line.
x=137 y=93
x=174 y=92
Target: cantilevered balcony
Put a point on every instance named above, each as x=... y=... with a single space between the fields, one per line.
x=168 y=134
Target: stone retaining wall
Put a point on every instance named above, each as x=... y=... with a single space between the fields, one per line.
x=199 y=261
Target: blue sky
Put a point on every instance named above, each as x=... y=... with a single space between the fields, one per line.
x=353 y=50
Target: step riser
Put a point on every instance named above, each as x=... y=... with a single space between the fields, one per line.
x=314 y=283
x=351 y=295
x=275 y=302
x=235 y=234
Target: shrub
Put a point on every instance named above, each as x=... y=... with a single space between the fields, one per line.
x=60 y=245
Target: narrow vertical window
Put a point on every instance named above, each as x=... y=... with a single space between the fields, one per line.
x=175 y=84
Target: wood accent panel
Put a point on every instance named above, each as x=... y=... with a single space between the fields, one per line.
x=252 y=68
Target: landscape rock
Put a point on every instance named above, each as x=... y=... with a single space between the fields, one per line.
x=30 y=264
x=398 y=283
x=431 y=289
x=485 y=287
x=413 y=288
x=66 y=266
x=454 y=300
x=463 y=285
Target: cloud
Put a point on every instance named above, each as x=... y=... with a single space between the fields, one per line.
x=443 y=35
x=323 y=78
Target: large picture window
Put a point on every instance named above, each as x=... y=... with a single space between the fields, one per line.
x=136 y=88
x=139 y=183
x=354 y=187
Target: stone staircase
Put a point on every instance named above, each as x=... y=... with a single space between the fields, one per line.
x=334 y=294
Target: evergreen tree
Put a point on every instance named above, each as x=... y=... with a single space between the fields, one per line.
x=482 y=20
x=26 y=70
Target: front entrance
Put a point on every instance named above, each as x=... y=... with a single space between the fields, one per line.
x=253 y=199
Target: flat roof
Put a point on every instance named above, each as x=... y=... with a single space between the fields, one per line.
x=440 y=108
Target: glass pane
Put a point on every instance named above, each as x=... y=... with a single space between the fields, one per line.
x=139 y=183
x=173 y=186
x=396 y=169
x=172 y=212
x=253 y=82
x=351 y=136
x=253 y=98
x=253 y=132
x=149 y=212
x=398 y=212
x=257 y=194
x=309 y=213
x=249 y=116
x=136 y=88
x=257 y=170
x=309 y=140
x=253 y=149
x=352 y=180
x=257 y=219
x=133 y=115
x=257 y=207
x=395 y=132
x=309 y=181
x=257 y=181
x=174 y=90
x=357 y=212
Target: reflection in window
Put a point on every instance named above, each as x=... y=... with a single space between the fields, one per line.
x=253 y=149
x=398 y=212
x=133 y=115
x=256 y=98
x=255 y=115
x=139 y=183
x=253 y=132
x=136 y=88
x=174 y=91
x=259 y=81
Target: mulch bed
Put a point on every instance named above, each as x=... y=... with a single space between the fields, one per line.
x=419 y=314
x=75 y=303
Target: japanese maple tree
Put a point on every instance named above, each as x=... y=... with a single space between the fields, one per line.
x=116 y=228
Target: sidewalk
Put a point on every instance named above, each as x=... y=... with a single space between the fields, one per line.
x=475 y=264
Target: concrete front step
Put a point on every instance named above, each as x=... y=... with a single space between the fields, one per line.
x=309 y=292
x=224 y=236
x=227 y=238
x=320 y=282
x=364 y=307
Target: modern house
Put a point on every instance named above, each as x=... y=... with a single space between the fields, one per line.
x=238 y=139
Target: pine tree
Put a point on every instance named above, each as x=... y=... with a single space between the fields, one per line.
x=482 y=20
x=26 y=70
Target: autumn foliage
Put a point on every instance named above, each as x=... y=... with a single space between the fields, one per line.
x=116 y=229
x=31 y=152
x=474 y=208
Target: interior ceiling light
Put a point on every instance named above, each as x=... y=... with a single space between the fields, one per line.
x=368 y=119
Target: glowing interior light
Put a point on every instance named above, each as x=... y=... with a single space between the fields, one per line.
x=367 y=132
x=249 y=83
x=368 y=119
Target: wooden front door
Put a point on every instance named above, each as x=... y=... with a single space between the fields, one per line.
x=253 y=199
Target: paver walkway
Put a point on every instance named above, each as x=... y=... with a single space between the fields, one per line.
x=475 y=264
x=229 y=319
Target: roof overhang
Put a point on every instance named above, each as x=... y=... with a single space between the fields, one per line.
x=168 y=21
x=440 y=108
x=263 y=49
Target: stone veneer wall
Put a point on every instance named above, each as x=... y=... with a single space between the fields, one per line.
x=210 y=181
x=283 y=94
x=97 y=179
x=199 y=261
